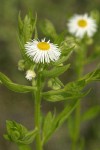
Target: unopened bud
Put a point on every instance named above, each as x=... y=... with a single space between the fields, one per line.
x=30 y=74
x=21 y=65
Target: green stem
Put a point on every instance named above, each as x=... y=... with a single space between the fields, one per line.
x=37 y=114
x=80 y=61
x=77 y=126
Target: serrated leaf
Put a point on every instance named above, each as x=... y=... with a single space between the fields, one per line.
x=91 y=113
x=15 y=87
x=56 y=71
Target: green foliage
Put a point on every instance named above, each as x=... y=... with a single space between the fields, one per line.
x=26 y=28
x=52 y=123
x=55 y=83
x=48 y=29
x=64 y=57
x=15 y=87
x=17 y=133
x=72 y=91
x=69 y=92
x=56 y=71
x=93 y=76
x=91 y=113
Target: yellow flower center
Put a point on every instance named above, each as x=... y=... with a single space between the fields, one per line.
x=43 y=46
x=82 y=23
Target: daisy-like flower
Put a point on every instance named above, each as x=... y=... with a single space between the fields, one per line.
x=79 y=25
x=30 y=74
x=42 y=51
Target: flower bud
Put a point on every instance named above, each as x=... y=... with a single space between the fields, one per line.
x=21 y=65
x=30 y=74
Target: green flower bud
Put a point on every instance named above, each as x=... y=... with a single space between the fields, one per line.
x=53 y=84
x=21 y=65
x=17 y=133
x=15 y=136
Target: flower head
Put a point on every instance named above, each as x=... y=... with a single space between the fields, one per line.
x=30 y=74
x=79 y=25
x=42 y=51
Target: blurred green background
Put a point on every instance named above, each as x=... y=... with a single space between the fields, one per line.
x=19 y=107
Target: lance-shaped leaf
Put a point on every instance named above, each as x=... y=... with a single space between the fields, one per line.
x=63 y=59
x=48 y=28
x=91 y=113
x=56 y=71
x=71 y=91
x=15 y=87
x=60 y=38
x=52 y=123
x=26 y=28
x=92 y=76
x=17 y=133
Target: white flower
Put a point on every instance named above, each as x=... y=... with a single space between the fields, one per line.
x=30 y=74
x=42 y=51
x=79 y=25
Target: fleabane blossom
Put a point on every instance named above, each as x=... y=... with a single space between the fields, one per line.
x=30 y=74
x=42 y=51
x=79 y=25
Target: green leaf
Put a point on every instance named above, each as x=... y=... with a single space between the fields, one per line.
x=26 y=28
x=17 y=133
x=60 y=38
x=71 y=91
x=47 y=123
x=14 y=131
x=91 y=113
x=48 y=28
x=15 y=87
x=63 y=58
x=67 y=45
x=92 y=76
x=57 y=122
x=56 y=71
x=95 y=54
x=29 y=137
